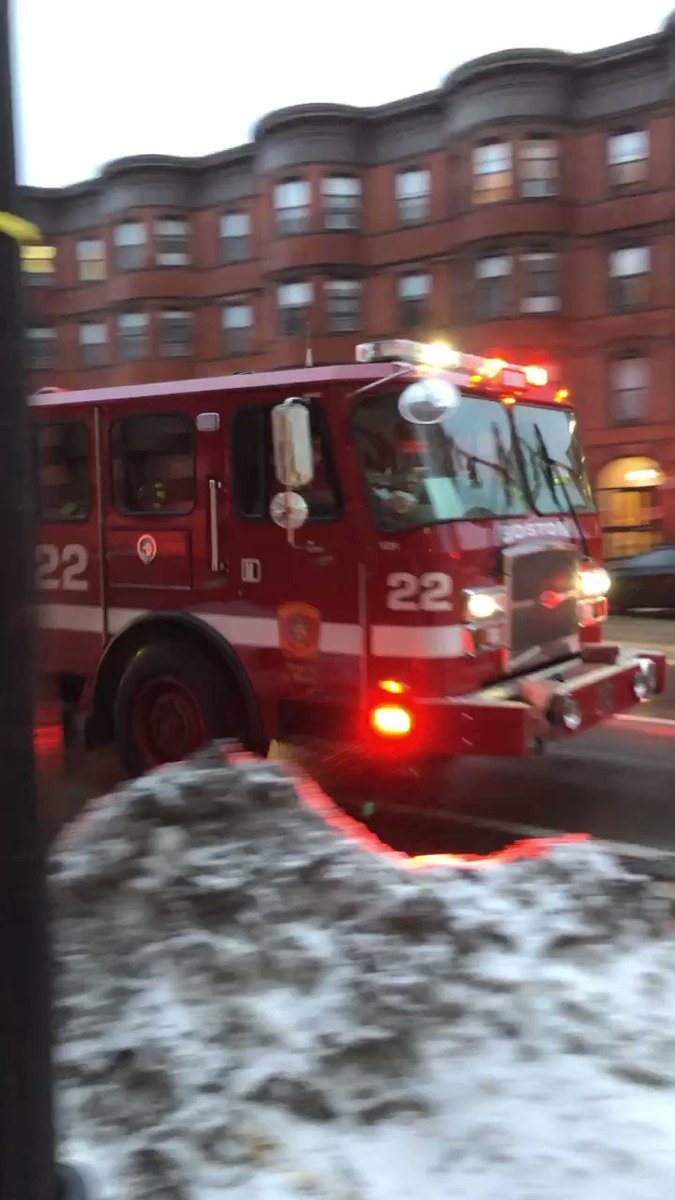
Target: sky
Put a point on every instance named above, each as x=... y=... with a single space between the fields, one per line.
x=96 y=80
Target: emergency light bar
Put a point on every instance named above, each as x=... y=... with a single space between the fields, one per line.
x=441 y=356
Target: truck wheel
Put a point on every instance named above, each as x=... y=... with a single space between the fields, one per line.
x=170 y=701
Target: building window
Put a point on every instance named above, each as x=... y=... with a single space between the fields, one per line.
x=630 y=501
x=93 y=343
x=628 y=157
x=235 y=236
x=540 y=282
x=292 y=202
x=172 y=242
x=629 y=382
x=413 y=192
x=41 y=348
x=175 y=333
x=90 y=260
x=237 y=328
x=130 y=238
x=61 y=456
x=539 y=167
x=413 y=301
x=492 y=172
x=629 y=272
x=493 y=276
x=132 y=334
x=341 y=202
x=153 y=464
x=343 y=305
x=253 y=467
x=295 y=302
x=38 y=265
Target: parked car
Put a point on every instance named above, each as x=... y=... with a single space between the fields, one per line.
x=643 y=581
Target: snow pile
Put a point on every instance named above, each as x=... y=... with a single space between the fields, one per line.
x=250 y=1002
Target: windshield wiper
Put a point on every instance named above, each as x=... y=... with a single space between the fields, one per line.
x=549 y=465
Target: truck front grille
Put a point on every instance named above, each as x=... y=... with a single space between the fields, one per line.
x=542 y=604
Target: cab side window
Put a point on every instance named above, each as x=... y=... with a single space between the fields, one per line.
x=153 y=464
x=253 y=467
x=62 y=471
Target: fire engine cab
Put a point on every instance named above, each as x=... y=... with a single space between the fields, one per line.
x=400 y=556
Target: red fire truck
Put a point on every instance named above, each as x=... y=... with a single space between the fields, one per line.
x=400 y=556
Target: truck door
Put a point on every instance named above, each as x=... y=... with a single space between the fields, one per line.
x=154 y=517
x=307 y=588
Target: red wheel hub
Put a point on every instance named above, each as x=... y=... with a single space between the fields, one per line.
x=168 y=723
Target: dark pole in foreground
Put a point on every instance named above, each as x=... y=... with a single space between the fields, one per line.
x=26 y=1135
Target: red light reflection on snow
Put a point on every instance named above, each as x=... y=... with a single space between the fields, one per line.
x=314 y=797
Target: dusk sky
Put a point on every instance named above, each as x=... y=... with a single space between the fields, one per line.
x=100 y=79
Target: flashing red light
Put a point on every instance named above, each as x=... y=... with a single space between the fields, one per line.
x=494 y=367
x=393 y=686
x=391 y=720
x=536 y=376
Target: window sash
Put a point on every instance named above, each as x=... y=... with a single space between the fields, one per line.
x=494 y=266
x=629 y=147
x=413 y=185
x=149 y=450
x=41 y=347
x=295 y=295
x=132 y=334
x=130 y=233
x=493 y=158
x=175 y=333
x=343 y=305
x=414 y=287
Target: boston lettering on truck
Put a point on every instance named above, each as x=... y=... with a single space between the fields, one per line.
x=400 y=556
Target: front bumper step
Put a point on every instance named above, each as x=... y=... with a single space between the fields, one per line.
x=517 y=716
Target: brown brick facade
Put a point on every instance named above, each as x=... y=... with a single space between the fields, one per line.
x=592 y=111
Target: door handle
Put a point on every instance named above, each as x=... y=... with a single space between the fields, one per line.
x=214 y=538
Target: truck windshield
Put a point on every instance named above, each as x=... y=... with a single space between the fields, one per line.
x=423 y=474
x=554 y=460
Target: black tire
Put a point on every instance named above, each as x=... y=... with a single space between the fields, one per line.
x=173 y=674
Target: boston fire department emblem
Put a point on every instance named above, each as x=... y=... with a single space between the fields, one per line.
x=299 y=629
x=146 y=548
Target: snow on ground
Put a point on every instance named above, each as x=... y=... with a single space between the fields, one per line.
x=251 y=1002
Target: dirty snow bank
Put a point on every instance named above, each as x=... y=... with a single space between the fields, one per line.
x=249 y=1002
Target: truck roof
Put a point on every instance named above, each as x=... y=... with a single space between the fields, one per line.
x=295 y=377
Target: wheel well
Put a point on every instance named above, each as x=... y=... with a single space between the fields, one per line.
x=183 y=629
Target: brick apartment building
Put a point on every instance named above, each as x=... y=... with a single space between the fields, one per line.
x=524 y=208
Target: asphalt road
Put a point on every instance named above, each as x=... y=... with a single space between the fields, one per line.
x=616 y=784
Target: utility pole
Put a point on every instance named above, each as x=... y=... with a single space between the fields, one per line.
x=27 y=1170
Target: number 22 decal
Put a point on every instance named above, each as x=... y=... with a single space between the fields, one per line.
x=430 y=592
x=55 y=568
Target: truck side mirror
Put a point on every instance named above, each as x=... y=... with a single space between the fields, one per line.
x=292 y=441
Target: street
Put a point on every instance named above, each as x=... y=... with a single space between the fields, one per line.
x=616 y=784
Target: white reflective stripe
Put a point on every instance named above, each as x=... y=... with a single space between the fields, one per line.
x=416 y=641
x=118 y=618
x=87 y=618
x=241 y=631
x=341 y=639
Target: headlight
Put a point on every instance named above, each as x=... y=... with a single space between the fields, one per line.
x=644 y=680
x=594 y=582
x=480 y=606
